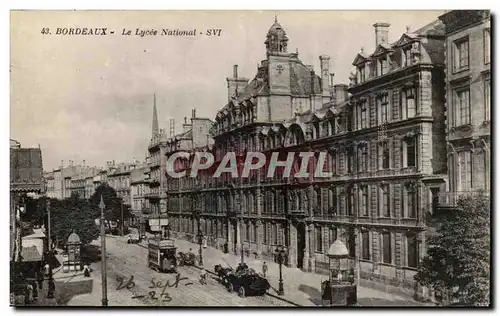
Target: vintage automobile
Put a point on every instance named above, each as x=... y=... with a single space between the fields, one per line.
x=133 y=238
x=187 y=259
x=161 y=255
x=245 y=281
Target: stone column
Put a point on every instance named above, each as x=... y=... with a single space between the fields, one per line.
x=260 y=235
x=312 y=259
x=238 y=236
x=293 y=246
x=305 y=263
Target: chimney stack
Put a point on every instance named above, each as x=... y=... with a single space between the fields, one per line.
x=234 y=84
x=340 y=93
x=325 y=71
x=381 y=33
x=193 y=111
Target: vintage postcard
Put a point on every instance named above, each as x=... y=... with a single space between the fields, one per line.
x=250 y=158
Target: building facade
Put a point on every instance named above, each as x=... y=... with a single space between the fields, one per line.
x=139 y=188
x=119 y=178
x=468 y=102
x=397 y=150
x=384 y=146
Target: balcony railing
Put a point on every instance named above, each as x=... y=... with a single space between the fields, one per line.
x=450 y=199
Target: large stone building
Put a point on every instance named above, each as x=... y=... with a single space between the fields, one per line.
x=468 y=102
x=385 y=147
x=397 y=150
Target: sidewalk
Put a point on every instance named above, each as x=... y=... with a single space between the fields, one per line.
x=300 y=287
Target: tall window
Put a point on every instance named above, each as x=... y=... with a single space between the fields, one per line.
x=385 y=155
x=407 y=57
x=462 y=106
x=365 y=239
x=412 y=250
x=409 y=102
x=411 y=202
x=350 y=160
x=465 y=170
x=254 y=235
x=333 y=235
x=319 y=239
x=319 y=204
x=386 y=247
x=461 y=54
x=363 y=158
x=364 y=114
x=265 y=233
x=382 y=66
x=364 y=201
x=351 y=244
x=247 y=232
x=487 y=99
x=350 y=202
x=384 y=111
x=487 y=46
x=361 y=73
x=411 y=152
x=385 y=203
x=274 y=234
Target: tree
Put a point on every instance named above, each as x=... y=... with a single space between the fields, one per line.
x=66 y=216
x=114 y=204
x=457 y=264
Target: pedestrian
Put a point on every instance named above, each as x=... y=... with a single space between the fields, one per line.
x=30 y=293
x=86 y=271
x=203 y=276
x=264 y=269
x=226 y=247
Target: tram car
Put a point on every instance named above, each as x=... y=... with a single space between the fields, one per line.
x=161 y=255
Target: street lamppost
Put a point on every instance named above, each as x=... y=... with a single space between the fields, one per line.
x=200 y=236
x=51 y=289
x=103 y=256
x=280 y=255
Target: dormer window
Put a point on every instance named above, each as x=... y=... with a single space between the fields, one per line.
x=361 y=73
x=406 y=56
x=382 y=66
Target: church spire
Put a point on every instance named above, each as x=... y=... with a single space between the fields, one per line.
x=155 y=118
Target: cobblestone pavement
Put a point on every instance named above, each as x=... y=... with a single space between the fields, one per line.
x=300 y=287
x=127 y=260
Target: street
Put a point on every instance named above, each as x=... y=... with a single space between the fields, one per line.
x=127 y=262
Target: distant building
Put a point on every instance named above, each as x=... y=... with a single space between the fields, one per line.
x=139 y=188
x=26 y=176
x=468 y=103
x=118 y=177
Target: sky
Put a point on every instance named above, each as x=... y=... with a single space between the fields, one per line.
x=91 y=97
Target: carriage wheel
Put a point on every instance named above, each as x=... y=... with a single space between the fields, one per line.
x=230 y=287
x=241 y=291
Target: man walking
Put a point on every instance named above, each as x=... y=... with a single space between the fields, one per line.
x=264 y=269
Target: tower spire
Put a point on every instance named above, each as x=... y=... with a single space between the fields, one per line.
x=155 y=118
x=275 y=18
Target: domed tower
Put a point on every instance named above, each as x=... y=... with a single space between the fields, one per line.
x=276 y=39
